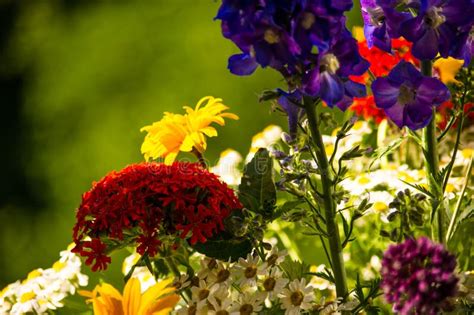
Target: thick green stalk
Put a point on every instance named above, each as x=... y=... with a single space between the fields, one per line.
x=335 y=248
x=430 y=143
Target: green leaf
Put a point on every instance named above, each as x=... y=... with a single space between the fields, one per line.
x=419 y=188
x=295 y=269
x=383 y=151
x=287 y=207
x=223 y=249
x=257 y=190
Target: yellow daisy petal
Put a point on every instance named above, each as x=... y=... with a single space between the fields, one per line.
x=174 y=132
x=131 y=297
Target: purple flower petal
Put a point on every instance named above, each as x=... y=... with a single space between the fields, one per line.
x=242 y=64
x=312 y=86
x=396 y=113
x=385 y=93
x=332 y=88
x=426 y=47
x=404 y=71
x=418 y=115
x=432 y=91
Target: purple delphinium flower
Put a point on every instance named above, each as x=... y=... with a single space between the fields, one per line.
x=260 y=30
x=418 y=276
x=408 y=97
x=279 y=33
x=328 y=78
x=381 y=24
x=435 y=28
x=464 y=49
x=315 y=26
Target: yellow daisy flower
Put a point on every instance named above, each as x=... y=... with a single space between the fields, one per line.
x=175 y=132
x=106 y=300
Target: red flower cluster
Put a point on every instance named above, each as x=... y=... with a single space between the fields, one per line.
x=445 y=113
x=145 y=200
x=365 y=107
x=381 y=63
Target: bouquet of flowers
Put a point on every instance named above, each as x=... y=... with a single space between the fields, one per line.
x=365 y=214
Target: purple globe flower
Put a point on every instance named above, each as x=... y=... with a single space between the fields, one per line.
x=418 y=276
x=408 y=97
x=435 y=29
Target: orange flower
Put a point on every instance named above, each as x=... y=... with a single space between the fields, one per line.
x=157 y=300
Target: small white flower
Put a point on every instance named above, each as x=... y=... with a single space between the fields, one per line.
x=273 y=283
x=129 y=262
x=181 y=282
x=247 y=270
x=221 y=273
x=192 y=309
x=297 y=297
x=320 y=283
x=247 y=304
x=227 y=167
x=274 y=257
x=201 y=294
x=269 y=136
x=380 y=204
x=207 y=266
x=220 y=301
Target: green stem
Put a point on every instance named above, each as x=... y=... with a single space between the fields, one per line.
x=200 y=157
x=459 y=202
x=430 y=145
x=335 y=247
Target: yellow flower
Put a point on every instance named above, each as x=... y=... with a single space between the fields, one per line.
x=175 y=132
x=448 y=68
x=106 y=300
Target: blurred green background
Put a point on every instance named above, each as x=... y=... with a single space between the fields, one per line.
x=78 y=81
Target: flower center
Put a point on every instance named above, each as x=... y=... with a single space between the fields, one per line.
x=223 y=275
x=308 y=20
x=406 y=94
x=329 y=63
x=246 y=309
x=271 y=37
x=296 y=298
x=250 y=272
x=212 y=264
x=28 y=296
x=269 y=284
x=434 y=18
x=195 y=281
x=222 y=312
x=203 y=294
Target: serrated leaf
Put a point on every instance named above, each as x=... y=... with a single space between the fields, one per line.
x=381 y=152
x=419 y=188
x=295 y=269
x=257 y=190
